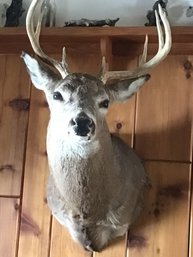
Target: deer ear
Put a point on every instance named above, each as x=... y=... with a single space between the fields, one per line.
x=124 y=89
x=41 y=75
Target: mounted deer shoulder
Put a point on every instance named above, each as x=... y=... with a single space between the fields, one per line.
x=96 y=182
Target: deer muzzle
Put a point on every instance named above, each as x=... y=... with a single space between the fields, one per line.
x=83 y=125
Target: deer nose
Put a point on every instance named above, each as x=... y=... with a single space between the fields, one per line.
x=82 y=124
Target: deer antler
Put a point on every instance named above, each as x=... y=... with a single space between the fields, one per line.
x=34 y=40
x=163 y=50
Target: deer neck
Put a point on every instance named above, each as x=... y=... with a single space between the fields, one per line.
x=69 y=162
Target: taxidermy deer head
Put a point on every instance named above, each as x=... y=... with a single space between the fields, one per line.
x=96 y=182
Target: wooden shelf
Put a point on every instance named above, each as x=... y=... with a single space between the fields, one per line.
x=14 y=40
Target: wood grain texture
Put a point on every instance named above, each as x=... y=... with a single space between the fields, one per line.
x=9 y=213
x=167 y=99
x=14 y=106
x=84 y=62
x=35 y=216
x=120 y=116
x=164 y=112
x=117 y=248
x=14 y=40
x=106 y=51
x=163 y=227
x=180 y=33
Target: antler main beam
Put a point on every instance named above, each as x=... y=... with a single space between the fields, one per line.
x=163 y=50
x=34 y=40
x=144 y=66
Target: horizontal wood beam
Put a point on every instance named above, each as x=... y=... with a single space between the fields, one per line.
x=125 y=40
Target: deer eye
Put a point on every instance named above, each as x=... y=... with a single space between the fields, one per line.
x=104 y=104
x=57 y=96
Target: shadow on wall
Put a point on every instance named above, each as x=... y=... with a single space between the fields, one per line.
x=166 y=210
x=171 y=144
x=167 y=198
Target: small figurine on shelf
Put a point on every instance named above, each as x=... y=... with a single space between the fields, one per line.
x=189 y=12
x=14 y=12
x=90 y=23
x=49 y=13
x=3 y=10
x=151 y=13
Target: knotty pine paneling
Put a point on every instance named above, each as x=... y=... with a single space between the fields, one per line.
x=14 y=107
x=35 y=215
x=121 y=116
x=164 y=112
x=163 y=228
x=162 y=132
x=9 y=215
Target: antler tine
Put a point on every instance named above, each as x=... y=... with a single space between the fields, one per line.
x=34 y=40
x=144 y=55
x=163 y=50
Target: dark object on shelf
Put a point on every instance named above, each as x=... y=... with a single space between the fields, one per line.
x=90 y=23
x=189 y=12
x=151 y=13
x=14 y=12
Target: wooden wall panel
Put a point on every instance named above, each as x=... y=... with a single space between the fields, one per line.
x=163 y=228
x=14 y=106
x=120 y=119
x=35 y=216
x=9 y=212
x=117 y=248
x=121 y=116
x=81 y=61
x=164 y=112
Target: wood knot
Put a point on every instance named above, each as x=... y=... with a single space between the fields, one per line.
x=135 y=241
x=7 y=167
x=45 y=200
x=16 y=206
x=28 y=225
x=174 y=191
x=187 y=65
x=188 y=68
x=19 y=104
x=158 y=250
x=119 y=125
x=156 y=212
